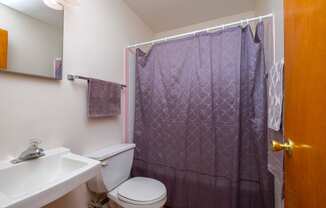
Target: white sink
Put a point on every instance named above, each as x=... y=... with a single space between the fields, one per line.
x=35 y=183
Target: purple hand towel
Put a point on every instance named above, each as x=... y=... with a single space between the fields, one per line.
x=104 y=99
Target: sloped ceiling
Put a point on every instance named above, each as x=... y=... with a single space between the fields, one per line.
x=163 y=15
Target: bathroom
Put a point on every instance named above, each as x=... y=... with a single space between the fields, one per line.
x=52 y=50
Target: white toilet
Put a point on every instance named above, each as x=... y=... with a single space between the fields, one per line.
x=138 y=192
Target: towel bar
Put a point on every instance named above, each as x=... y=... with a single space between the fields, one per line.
x=73 y=77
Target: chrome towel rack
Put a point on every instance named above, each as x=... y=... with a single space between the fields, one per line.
x=73 y=77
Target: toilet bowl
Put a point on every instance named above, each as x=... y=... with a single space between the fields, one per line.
x=114 y=180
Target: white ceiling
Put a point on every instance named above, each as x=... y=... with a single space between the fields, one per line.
x=163 y=15
x=36 y=9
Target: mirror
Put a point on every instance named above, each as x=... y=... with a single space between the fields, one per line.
x=31 y=38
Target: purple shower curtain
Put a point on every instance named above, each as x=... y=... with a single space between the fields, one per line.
x=200 y=120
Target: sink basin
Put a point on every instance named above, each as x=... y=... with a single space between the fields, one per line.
x=35 y=183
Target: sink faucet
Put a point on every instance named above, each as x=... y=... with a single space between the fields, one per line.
x=32 y=152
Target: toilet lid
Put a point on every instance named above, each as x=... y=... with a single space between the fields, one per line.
x=141 y=190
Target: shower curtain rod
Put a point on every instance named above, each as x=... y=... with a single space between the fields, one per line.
x=204 y=30
x=271 y=15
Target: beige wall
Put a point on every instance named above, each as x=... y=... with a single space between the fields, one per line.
x=30 y=40
x=95 y=34
x=275 y=7
x=206 y=24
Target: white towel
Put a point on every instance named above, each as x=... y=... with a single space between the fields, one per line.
x=275 y=95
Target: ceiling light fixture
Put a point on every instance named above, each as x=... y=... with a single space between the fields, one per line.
x=60 y=4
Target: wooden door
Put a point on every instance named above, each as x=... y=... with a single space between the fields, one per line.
x=3 y=49
x=305 y=103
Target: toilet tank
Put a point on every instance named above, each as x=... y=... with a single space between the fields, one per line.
x=116 y=163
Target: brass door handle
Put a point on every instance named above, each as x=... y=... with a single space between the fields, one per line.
x=286 y=146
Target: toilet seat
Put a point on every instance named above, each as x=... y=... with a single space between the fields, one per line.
x=141 y=191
